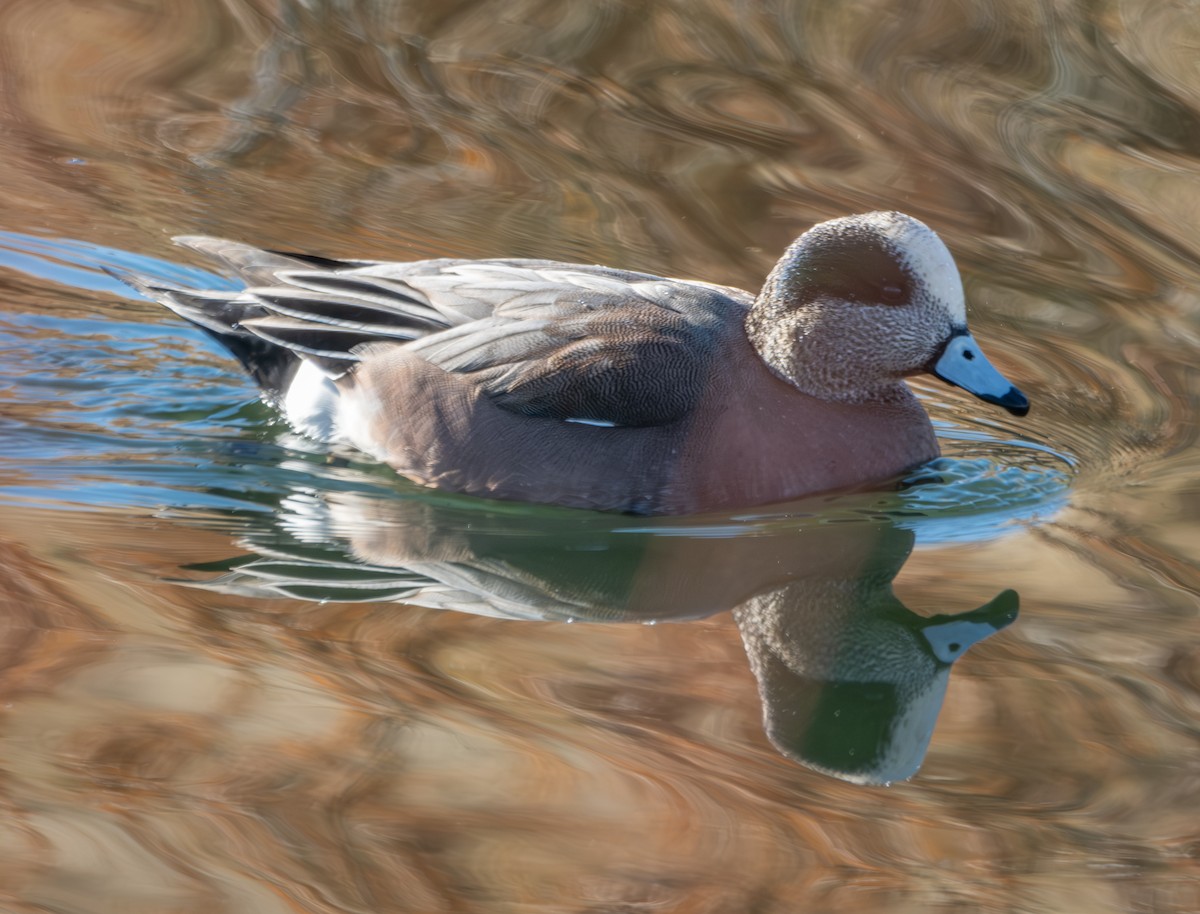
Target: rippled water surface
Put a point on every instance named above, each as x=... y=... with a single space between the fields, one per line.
x=240 y=672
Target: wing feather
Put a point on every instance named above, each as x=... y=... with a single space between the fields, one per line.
x=576 y=343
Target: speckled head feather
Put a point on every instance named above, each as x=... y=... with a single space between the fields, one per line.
x=856 y=304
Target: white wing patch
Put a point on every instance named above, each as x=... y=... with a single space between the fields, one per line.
x=598 y=423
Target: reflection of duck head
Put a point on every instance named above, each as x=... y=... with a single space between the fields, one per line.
x=851 y=680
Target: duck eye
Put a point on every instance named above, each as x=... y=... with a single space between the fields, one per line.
x=892 y=292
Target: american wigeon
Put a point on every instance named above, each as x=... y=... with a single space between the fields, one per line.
x=592 y=387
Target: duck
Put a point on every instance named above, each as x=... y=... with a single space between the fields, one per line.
x=605 y=389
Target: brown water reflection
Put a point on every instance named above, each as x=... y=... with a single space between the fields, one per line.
x=183 y=751
x=168 y=748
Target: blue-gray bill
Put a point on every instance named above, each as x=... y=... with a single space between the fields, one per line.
x=963 y=364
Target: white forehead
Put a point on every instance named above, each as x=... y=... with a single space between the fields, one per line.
x=919 y=250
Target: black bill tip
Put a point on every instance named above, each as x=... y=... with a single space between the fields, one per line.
x=1012 y=400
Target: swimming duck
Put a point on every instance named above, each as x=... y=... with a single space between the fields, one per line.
x=599 y=388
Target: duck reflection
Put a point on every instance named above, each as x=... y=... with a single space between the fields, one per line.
x=851 y=680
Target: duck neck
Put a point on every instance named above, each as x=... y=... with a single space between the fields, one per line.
x=793 y=347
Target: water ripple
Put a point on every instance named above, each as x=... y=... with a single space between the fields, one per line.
x=167 y=747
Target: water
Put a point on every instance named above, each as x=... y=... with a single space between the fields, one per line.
x=241 y=673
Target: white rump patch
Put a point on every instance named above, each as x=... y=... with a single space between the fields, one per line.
x=310 y=403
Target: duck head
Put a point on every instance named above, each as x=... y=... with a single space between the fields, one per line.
x=857 y=304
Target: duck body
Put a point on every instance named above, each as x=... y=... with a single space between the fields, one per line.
x=597 y=388
x=750 y=439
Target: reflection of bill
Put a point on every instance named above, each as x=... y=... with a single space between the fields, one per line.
x=851 y=680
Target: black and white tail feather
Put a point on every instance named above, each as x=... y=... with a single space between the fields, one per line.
x=295 y=309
